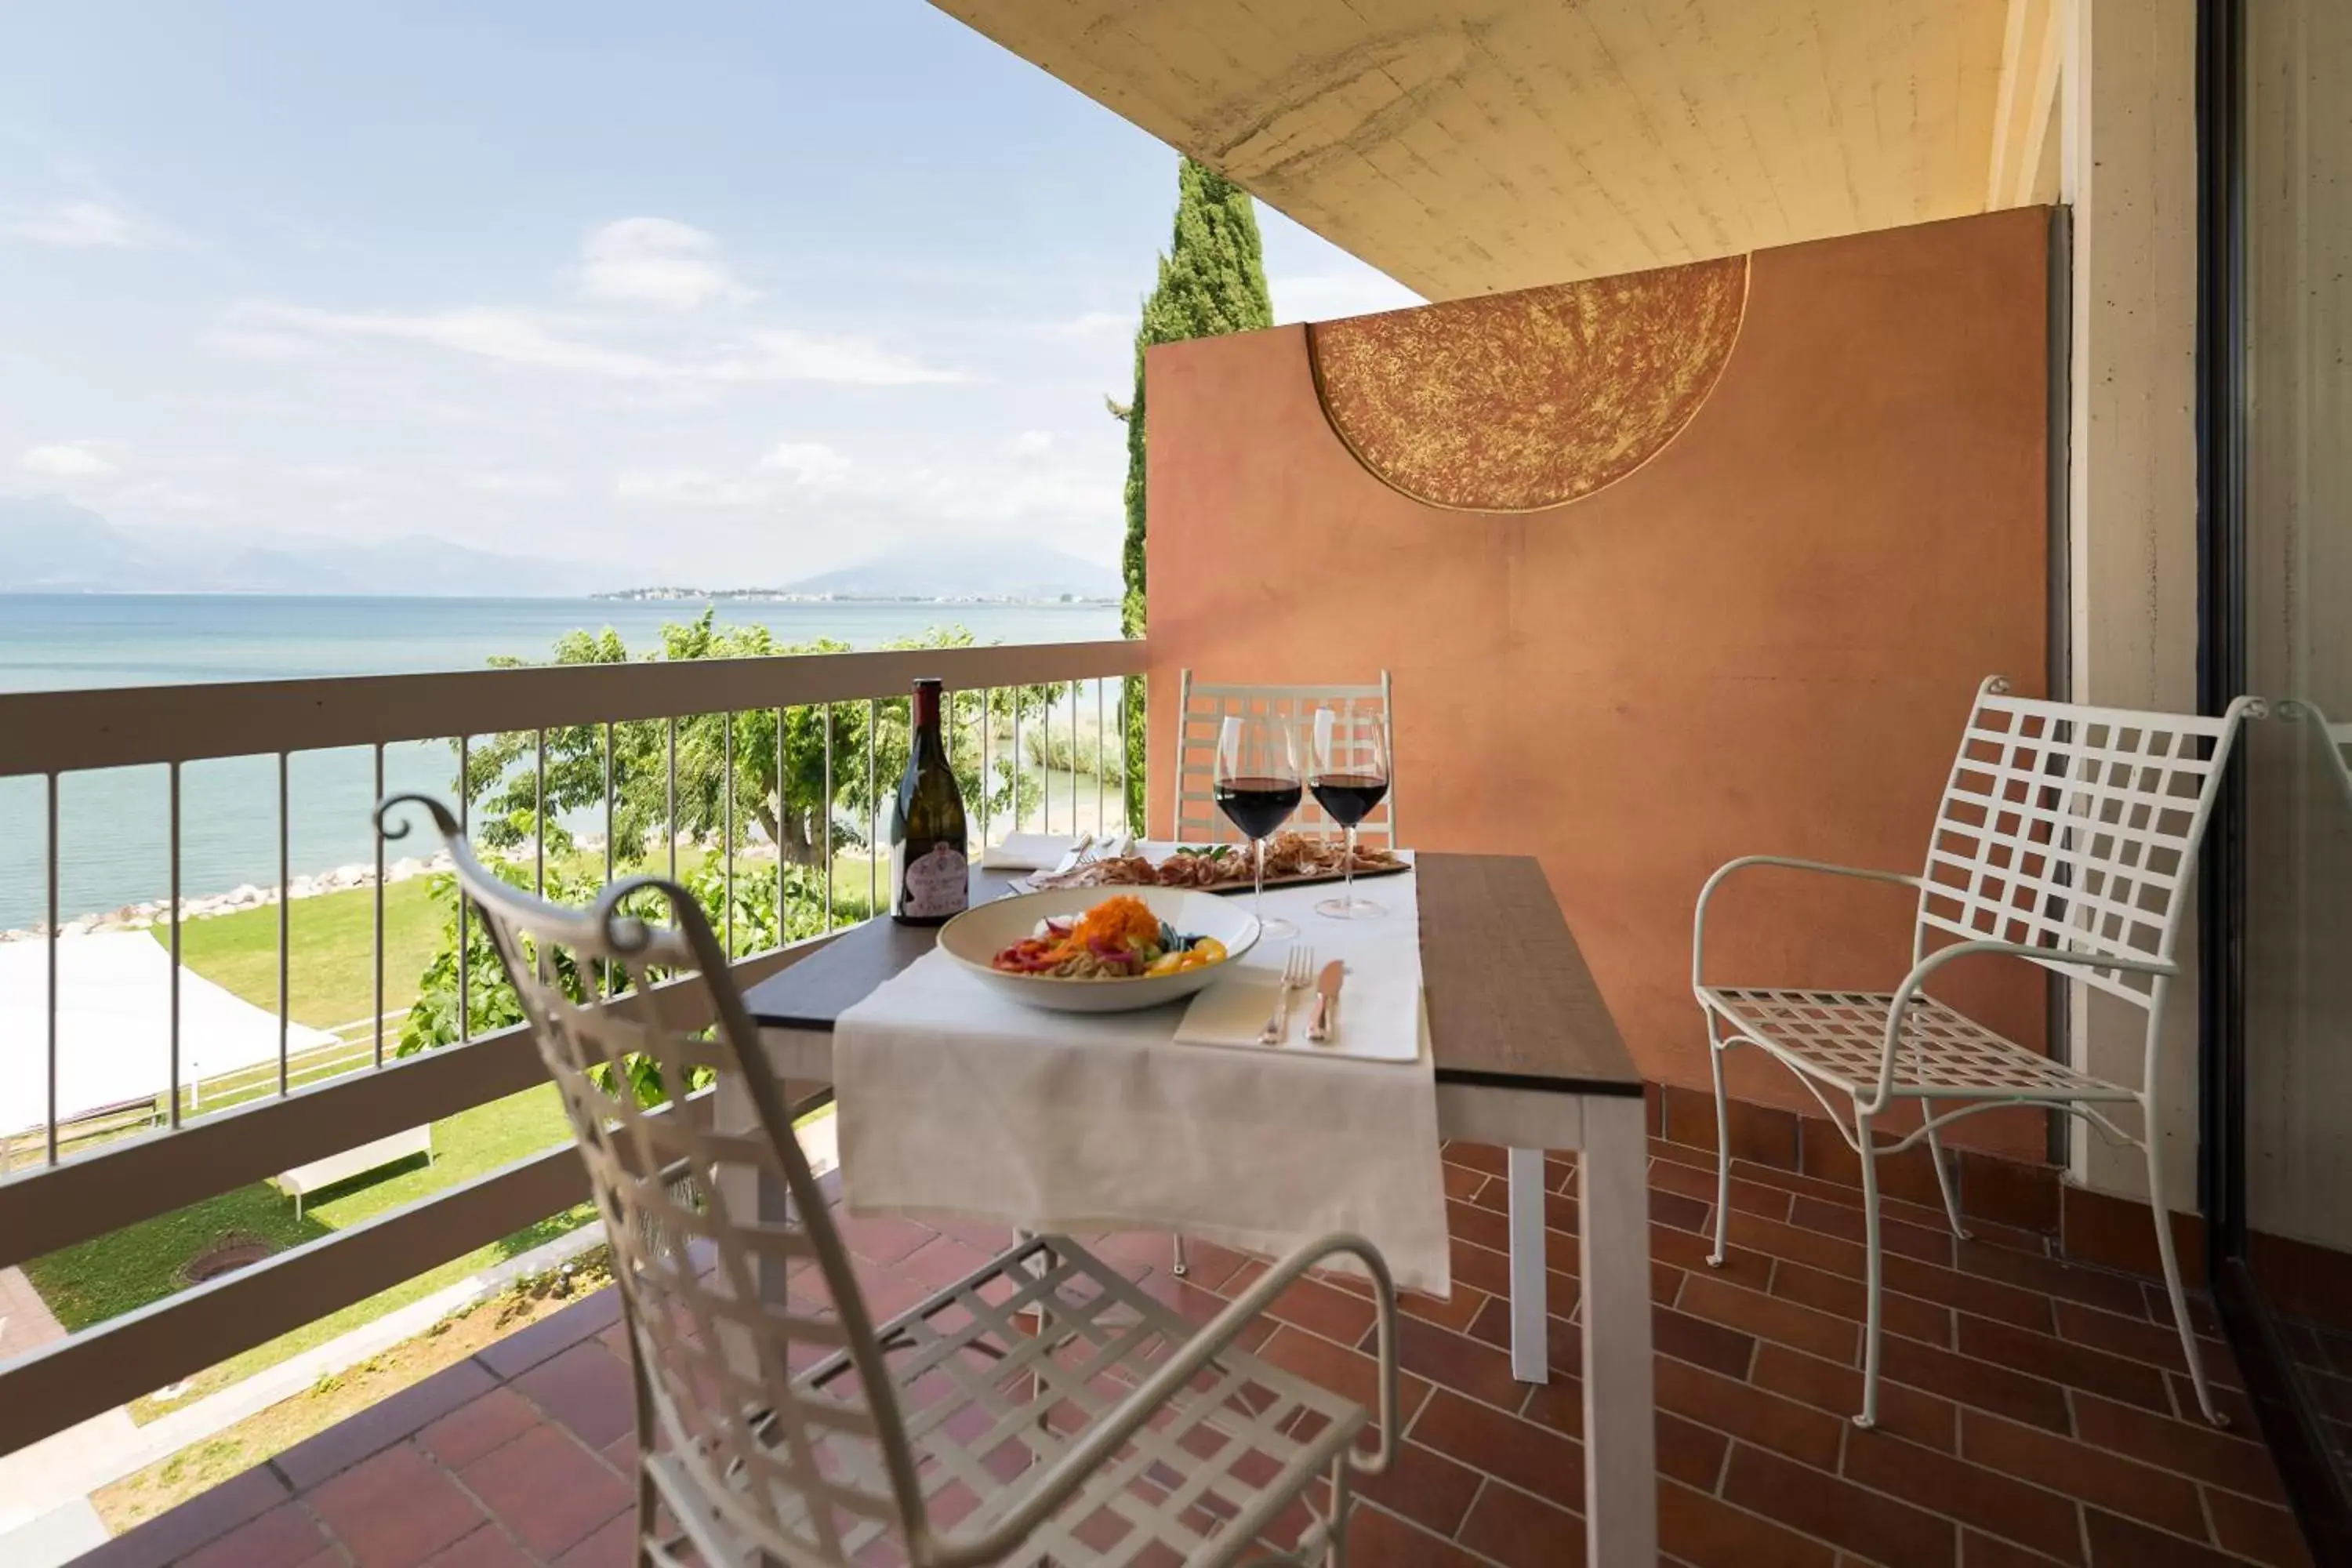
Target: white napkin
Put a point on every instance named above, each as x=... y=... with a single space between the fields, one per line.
x=1027 y=852
x=1234 y=1013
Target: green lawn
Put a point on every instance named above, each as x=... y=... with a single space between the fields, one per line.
x=330 y=943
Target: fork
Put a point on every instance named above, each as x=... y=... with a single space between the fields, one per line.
x=1297 y=971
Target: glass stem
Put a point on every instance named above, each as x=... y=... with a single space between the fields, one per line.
x=1257 y=898
x=1348 y=884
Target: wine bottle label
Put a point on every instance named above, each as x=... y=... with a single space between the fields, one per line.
x=936 y=883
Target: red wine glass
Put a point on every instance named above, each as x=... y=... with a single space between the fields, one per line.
x=1256 y=786
x=1349 y=777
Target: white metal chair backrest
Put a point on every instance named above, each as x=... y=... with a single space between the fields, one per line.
x=2074 y=829
x=1204 y=708
x=714 y=1354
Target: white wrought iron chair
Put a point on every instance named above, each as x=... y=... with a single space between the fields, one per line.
x=2067 y=837
x=1203 y=709
x=1042 y=1408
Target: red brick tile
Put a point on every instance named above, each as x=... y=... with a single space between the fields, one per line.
x=1849 y=1298
x=2050 y=1276
x=1425 y=1486
x=395 y=1509
x=547 y=1489
x=1378 y=1539
x=1868 y=1523
x=1988 y=1552
x=2075 y=1365
x=1563 y=1341
x=881 y=1239
x=587 y=1390
x=1321 y=1308
x=613 y=1546
x=1759 y=1132
x=1694 y=1340
x=475 y=1428
x=1910 y=1175
x=2159 y=1345
x=1908 y=1412
x=1559 y=1403
x=1487 y=1159
x=1461 y=1181
x=1457 y=1311
x=2119 y=1233
x=1481 y=1226
x=1769 y=1317
x=2237 y=1411
x=2230 y=1459
x=1811 y=1248
x=284 y=1537
x=2003 y=1302
x=1347 y=1373
x=526 y=1347
x=1968 y=1381
x=1732 y=1406
x=1461 y=1363
x=1896 y=1235
x=2009 y=1192
x=1682 y=1249
x=1970 y=1493
x=1534 y=1458
x=942 y=1260
x=2258 y=1531
x=206 y=1516
x=1523 y=1531
x=2117 y=1542
x=2105 y=1479
x=488 y=1547
x=1707 y=1533
x=401 y=1415
x=1690 y=1453
x=1747 y=1196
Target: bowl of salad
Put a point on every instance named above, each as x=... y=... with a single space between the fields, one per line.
x=1077 y=951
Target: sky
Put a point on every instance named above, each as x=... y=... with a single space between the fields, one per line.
x=742 y=292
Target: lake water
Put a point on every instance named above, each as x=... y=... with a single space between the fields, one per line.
x=113 y=824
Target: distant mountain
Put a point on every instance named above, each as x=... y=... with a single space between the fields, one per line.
x=48 y=544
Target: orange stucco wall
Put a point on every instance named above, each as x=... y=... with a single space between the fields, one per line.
x=1765 y=640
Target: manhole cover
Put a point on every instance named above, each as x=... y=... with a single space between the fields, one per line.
x=226 y=1257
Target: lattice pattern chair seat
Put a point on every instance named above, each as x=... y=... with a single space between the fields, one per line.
x=2067 y=837
x=1202 y=707
x=1042 y=1409
x=1839 y=1038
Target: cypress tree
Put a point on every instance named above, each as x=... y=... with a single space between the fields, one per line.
x=1211 y=281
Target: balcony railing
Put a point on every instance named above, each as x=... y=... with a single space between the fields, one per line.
x=76 y=1188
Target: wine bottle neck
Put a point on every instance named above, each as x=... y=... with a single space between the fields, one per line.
x=927 y=708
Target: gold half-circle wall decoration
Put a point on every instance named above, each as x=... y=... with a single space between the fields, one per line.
x=1529 y=400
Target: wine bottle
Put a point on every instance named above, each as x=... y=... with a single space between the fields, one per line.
x=929 y=877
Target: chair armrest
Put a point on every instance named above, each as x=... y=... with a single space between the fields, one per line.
x=1722 y=872
x=1136 y=1411
x=1909 y=989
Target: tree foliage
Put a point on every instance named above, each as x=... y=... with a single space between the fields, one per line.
x=1212 y=280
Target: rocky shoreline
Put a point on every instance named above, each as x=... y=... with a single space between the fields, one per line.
x=157 y=911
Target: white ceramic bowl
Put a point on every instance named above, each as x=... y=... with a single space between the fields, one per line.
x=979 y=934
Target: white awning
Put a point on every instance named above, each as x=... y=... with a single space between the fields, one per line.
x=114 y=1026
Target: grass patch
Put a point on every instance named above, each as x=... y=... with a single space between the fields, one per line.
x=331 y=949
x=170 y=1481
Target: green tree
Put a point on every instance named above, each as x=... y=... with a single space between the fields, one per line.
x=1211 y=281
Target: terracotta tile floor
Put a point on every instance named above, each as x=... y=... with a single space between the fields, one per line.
x=2034 y=1412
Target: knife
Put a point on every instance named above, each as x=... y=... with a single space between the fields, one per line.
x=1321 y=1022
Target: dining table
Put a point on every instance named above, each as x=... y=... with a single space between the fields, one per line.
x=1526 y=1057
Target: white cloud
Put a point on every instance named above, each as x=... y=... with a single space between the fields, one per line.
x=80 y=224
x=1096 y=324
x=1032 y=443
x=809 y=463
x=558 y=344
x=66 y=459
x=1328 y=295
x=515 y=482
x=659 y=262
x=697 y=488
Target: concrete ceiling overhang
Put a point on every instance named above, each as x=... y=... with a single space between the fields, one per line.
x=1467 y=146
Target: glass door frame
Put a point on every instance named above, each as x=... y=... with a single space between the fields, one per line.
x=2315 y=1486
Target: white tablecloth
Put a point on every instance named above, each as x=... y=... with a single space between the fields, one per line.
x=955 y=1101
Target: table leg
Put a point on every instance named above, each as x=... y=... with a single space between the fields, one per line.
x=1621 y=1477
x=1531 y=1342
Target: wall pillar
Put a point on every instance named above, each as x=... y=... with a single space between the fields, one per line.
x=2129 y=172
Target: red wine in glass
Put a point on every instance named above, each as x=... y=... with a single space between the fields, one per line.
x=1349 y=797
x=1255 y=783
x=1259 y=806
